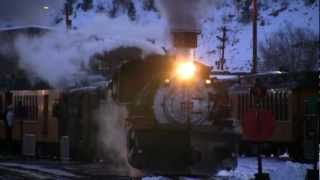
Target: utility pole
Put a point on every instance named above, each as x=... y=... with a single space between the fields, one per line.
x=259 y=92
x=254 y=37
x=220 y=63
x=68 y=12
x=259 y=175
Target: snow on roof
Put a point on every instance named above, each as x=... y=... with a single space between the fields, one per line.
x=93 y=86
x=26 y=27
x=87 y=88
x=269 y=72
x=224 y=76
x=245 y=74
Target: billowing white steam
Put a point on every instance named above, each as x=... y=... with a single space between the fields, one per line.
x=59 y=55
x=111 y=122
x=184 y=14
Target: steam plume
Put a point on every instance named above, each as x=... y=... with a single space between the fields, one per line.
x=184 y=14
x=59 y=55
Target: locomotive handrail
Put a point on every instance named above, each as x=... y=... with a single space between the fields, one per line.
x=29 y=121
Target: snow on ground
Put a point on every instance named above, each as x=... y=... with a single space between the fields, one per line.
x=278 y=170
x=247 y=167
x=57 y=172
x=20 y=172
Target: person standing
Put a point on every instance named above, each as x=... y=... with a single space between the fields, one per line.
x=9 y=118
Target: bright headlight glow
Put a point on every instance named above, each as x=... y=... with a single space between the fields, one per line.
x=186 y=70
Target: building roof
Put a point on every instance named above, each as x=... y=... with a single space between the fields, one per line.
x=19 y=28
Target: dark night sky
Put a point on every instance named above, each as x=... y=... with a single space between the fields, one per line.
x=25 y=12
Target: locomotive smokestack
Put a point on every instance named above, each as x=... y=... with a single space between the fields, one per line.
x=184 y=20
x=185 y=43
x=184 y=38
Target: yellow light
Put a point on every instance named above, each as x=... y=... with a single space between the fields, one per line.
x=208 y=81
x=167 y=81
x=186 y=70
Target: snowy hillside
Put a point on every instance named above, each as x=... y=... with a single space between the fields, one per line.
x=273 y=15
x=238 y=50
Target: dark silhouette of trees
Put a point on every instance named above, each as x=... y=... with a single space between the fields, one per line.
x=291 y=49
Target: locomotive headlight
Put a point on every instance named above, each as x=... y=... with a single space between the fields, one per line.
x=186 y=70
x=167 y=82
x=208 y=82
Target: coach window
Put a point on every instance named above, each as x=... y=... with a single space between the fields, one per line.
x=251 y=100
x=311 y=116
x=238 y=106
x=267 y=101
x=26 y=107
x=18 y=107
x=35 y=107
x=273 y=104
x=45 y=115
x=276 y=105
x=1 y=103
x=280 y=105
x=286 y=96
x=283 y=106
x=35 y=98
x=1 y=106
x=241 y=106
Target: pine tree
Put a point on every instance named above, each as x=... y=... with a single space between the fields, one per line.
x=86 y=5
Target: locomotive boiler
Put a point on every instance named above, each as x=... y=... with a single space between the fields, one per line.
x=177 y=120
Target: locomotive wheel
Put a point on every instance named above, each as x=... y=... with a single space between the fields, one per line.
x=130 y=139
x=134 y=157
x=295 y=152
x=136 y=178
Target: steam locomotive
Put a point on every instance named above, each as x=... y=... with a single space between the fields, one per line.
x=175 y=126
